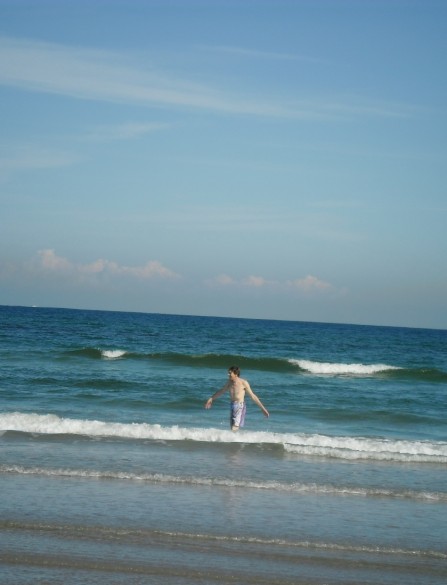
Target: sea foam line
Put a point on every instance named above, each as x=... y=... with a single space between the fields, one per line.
x=161 y=478
x=315 y=445
x=342 y=369
x=105 y=532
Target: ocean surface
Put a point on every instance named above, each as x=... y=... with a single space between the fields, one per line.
x=112 y=471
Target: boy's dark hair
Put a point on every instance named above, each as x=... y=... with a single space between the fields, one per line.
x=235 y=369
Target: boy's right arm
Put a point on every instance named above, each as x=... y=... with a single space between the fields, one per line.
x=209 y=402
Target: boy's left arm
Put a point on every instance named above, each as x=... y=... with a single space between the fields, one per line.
x=256 y=399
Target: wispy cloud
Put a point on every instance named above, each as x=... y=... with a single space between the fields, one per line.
x=93 y=74
x=308 y=284
x=127 y=131
x=257 y=54
x=29 y=157
x=48 y=261
x=99 y=75
x=256 y=281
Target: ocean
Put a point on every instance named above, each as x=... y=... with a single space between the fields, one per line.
x=112 y=471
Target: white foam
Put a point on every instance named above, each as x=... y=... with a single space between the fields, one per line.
x=353 y=455
x=352 y=448
x=113 y=354
x=51 y=424
x=349 y=448
x=342 y=369
x=267 y=485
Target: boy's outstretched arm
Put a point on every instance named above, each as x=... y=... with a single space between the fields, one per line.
x=209 y=402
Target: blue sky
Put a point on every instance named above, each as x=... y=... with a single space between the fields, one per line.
x=267 y=159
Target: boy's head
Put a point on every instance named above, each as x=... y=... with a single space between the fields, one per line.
x=234 y=370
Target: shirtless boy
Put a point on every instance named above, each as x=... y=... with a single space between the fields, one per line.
x=237 y=387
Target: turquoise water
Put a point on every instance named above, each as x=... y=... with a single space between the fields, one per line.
x=112 y=471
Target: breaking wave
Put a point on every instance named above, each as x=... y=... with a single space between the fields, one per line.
x=263 y=363
x=342 y=369
x=348 y=448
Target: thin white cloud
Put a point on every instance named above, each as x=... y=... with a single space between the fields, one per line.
x=251 y=281
x=92 y=74
x=99 y=75
x=127 y=131
x=28 y=157
x=49 y=261
x=307 y=284
x=257 y=54
x=256 y=281
x=223 y=280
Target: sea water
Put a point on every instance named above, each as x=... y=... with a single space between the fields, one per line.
x=112 y=471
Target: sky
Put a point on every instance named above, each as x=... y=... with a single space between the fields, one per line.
x=281 y=159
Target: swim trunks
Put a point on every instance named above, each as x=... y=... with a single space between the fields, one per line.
x=237 y=416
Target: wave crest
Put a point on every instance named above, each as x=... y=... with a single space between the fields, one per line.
x=113 y=354
x=348 y=448
x=342 y=369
